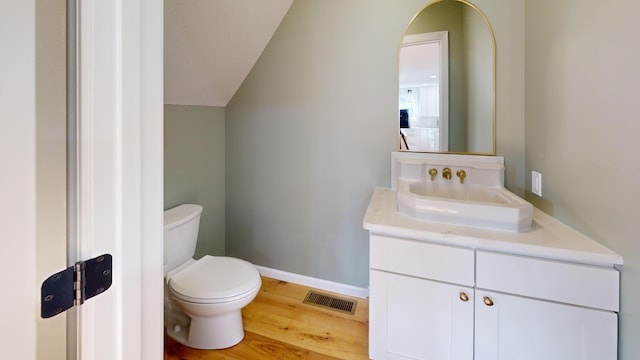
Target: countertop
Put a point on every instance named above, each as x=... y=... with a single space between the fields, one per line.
x=548 y=237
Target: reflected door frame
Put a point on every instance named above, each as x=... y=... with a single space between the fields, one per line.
x=442 y=39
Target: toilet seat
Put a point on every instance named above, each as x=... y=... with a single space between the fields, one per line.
x=215 y=279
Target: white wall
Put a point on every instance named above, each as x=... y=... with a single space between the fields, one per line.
x=582 y=129
x=310 y=131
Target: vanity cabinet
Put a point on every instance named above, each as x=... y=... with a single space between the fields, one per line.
x=420 y=300
x=516 y=327
x=532 y=308
x=436 y=301
x=412 y=318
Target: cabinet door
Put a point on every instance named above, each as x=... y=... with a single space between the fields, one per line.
x=513 y=327
x=413 y=318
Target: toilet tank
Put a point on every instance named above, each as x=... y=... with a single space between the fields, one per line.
x=181 y=225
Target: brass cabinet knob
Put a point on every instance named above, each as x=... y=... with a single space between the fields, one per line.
x=464 y=297
x=488 y=301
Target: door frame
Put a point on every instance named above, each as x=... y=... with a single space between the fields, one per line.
x=119 y=177
x=123 y=132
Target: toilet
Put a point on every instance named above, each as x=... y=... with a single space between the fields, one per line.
x=203 y=298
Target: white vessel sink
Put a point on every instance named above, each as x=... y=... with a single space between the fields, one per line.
x=479 y=201
x=476 y=206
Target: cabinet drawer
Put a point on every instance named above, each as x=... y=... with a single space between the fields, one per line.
x=584 y=285
x=422 y=259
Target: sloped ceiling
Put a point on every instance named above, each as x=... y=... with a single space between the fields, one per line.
x=211 y=45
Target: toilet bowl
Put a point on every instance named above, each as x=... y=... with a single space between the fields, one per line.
x=203 y=298
x=211 y=292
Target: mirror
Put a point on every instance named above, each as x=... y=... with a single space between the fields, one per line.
x=447 y=81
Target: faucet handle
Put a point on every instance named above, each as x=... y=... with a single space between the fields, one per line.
x=433 y=172
x=461 y=174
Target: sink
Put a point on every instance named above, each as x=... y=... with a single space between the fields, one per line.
x=484 y=194
x=479 y=200
x=476 y=206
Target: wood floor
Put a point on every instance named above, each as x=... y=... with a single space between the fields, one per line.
x=279 y=326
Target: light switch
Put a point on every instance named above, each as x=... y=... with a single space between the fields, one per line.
x=536 y=183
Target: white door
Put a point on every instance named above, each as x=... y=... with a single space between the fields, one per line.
x=120 y=178
x=413 y=318
x=513 y=327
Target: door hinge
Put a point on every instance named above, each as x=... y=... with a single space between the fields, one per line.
x=75 y=285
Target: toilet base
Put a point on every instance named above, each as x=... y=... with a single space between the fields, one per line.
x=211 y=333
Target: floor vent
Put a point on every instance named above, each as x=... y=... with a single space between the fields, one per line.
x=331 y=302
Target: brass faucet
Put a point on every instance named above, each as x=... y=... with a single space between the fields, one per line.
x=461 y=174
x=446 y=173
x=433 y=172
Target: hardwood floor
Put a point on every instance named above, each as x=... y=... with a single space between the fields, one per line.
x=279 y=326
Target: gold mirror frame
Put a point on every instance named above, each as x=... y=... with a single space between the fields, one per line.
x=494 y=77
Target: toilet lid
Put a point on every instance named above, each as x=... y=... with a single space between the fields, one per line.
x=215 y=277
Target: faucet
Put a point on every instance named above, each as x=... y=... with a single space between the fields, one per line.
x=433 y=172
x=446 y=173
x=461 y=174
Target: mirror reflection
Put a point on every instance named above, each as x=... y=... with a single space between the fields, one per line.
x=447 y=81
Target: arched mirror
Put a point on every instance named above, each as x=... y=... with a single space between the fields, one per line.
x=447 y=81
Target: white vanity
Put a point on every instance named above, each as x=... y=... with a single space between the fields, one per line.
x=447 y=291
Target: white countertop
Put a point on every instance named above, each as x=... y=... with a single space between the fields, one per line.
x=548 y=237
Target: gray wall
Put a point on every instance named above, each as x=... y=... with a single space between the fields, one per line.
x=479 y=65
x=309 y=133
x=582 y=127
x=194 y=167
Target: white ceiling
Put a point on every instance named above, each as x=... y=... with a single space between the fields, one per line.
x=211 y=45
x=419 y=64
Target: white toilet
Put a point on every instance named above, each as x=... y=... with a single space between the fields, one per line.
x=203 y=298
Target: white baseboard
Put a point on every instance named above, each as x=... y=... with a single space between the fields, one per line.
x=320 y=284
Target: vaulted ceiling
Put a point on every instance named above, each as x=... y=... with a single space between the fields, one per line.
x=210 y=46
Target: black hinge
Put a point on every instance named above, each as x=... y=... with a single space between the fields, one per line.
x=74 y=285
